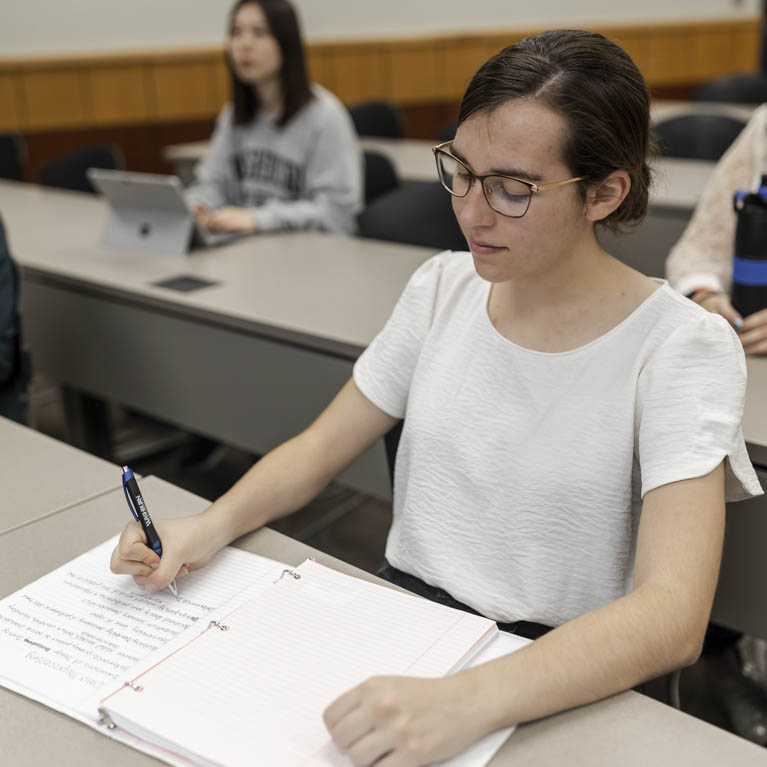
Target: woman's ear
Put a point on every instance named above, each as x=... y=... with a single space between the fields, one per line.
x=603 y=198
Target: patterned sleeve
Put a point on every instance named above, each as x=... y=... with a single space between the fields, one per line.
x=703 y=256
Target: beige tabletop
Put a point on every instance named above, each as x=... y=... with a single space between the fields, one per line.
x=274 y=336
x=329 y=292
x=755 y=410
x=679 y=183
x=412 y=158
x=628 y=729
x=665 y=109
x=40 y=476
x=660 y=109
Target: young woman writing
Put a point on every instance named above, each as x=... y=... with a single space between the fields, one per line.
x=571 y=427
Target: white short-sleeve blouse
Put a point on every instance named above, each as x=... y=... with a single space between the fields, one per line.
x=520 y=473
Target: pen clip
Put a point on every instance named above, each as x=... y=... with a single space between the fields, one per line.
x=130 y=503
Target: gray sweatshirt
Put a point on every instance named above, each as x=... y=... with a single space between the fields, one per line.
x=305 y=175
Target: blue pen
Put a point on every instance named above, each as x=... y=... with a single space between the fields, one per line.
x=141 y=515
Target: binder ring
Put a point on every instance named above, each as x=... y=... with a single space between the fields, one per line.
x=296 y=576
x=135 y=687
x=218 y=626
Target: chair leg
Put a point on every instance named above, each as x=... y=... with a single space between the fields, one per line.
x=672 y=688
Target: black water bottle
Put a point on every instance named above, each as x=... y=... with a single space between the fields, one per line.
x=749 y=270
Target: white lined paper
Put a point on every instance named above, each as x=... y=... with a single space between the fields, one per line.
x=288 y=653
x=79 y=627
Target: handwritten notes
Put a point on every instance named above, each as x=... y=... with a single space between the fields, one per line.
x=65 y=635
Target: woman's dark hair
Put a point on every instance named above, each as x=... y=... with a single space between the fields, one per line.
x=283 y=24
x=596 y=88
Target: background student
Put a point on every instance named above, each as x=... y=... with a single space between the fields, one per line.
x=284 y=154
x=700 y=264
x=570 y=425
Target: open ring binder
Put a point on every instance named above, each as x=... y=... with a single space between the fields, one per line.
x=289 y=653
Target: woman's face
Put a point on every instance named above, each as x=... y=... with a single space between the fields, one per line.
x=254 y=51
x=522 y=138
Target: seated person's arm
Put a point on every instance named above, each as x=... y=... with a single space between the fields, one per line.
x=281 y=482
x=213 y=171
x=700 y=264
x=702 y=258
x=657 y=627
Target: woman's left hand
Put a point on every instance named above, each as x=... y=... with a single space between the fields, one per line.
x=393 y=721
x=753 y=336
x=231 y=219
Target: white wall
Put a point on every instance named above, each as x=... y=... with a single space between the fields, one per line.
x=37 y=27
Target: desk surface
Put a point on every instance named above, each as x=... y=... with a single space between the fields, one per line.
x=755 y=411
x=660 y=109
x=286 y=287
x=249 y=360
x=40 y=476
x=665 y=109
x=627 y=729
x=327 y=292
x=679 y=182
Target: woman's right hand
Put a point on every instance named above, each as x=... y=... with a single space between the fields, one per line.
x=188 y=543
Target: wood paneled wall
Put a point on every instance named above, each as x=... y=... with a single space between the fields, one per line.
x=98 y=91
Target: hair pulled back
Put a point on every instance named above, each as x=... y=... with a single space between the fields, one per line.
x=593 y=84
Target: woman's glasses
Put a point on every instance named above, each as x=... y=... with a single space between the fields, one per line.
x=506 y=195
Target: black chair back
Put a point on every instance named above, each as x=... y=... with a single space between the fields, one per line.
x=697 y=136
x=380 y=175
x=69 y=170
x=12 y=156
x=378 y=118
x=734 y=89
x=417 y=213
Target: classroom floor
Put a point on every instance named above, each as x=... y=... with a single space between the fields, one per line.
x=340 y=522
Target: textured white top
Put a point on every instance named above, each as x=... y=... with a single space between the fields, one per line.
x=520 y=473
